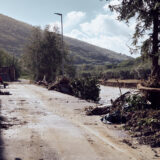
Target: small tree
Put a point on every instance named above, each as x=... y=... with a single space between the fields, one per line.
x=7 y=60
x=147 y=14
x=43 y=54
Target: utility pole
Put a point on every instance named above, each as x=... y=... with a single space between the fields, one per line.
x=62 y=42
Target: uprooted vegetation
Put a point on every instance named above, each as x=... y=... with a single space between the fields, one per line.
x=86 y=88
x=137 y=114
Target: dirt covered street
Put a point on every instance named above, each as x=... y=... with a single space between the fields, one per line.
x=48 y=125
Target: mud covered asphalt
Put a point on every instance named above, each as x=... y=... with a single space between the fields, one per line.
x=47 y=125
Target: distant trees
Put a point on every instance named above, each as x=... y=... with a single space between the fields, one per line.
x=6 y=60
x=43 y=54
x=147 y=15
x=141 y=73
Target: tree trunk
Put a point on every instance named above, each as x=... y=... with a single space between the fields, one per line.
x=155 y=56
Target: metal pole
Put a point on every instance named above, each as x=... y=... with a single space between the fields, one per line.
x=62 y=45
x=62 y=42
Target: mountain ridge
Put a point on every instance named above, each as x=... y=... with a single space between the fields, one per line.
x=14 y=35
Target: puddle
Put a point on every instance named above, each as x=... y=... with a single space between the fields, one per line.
x=107 y=93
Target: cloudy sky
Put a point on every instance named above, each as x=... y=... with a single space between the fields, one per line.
x=87 y=20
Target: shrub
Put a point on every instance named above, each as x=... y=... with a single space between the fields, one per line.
x=136 y=101
x=86 y=88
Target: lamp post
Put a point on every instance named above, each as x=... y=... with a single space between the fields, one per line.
x=61 y=15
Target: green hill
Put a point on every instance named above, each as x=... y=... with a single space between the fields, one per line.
x=14 y=35
x=85 y=53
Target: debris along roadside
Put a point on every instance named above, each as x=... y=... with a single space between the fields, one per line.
x=137 y=115
x=85 y=88
x=4 y=92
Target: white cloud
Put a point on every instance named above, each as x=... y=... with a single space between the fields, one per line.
x=105 y=24
x=73 y=18
x=70 y=20
x=103 y=30
x=113 y=43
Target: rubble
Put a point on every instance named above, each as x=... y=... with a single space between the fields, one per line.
x=136 y=114
x=62 y=85
x=97 y=111
x=84 y=88
x=4 y=93
x=120 y=101
x=4 y=84
x=42 y=83
x=144 y=124
x=114 y=117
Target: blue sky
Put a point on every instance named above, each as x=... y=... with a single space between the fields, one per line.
x=87 y=20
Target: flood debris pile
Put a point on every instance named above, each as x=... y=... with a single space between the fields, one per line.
x=137 y=114
x=85 y=88
x=4 y=86
x=145 y=125
x=4 y=93
x=97 y=110
x=63 y=85
x=42 y=83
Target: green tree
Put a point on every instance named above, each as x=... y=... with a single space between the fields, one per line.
x=6 y=60
x=43 y=54
x=147 y=15
x=32 y=52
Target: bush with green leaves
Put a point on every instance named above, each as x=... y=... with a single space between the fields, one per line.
x=86 y=88
x=136 y=101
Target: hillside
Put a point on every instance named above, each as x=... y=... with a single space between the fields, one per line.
x=85 y=53
x=14 y=35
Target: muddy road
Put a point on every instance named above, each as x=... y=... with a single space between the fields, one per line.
x=47 y=125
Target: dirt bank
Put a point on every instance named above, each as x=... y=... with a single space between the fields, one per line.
x=50 y=125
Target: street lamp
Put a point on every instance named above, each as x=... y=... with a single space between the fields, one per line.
x=61 y=15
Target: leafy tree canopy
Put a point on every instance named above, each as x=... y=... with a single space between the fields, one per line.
x=43 y=54
x=147 y=14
